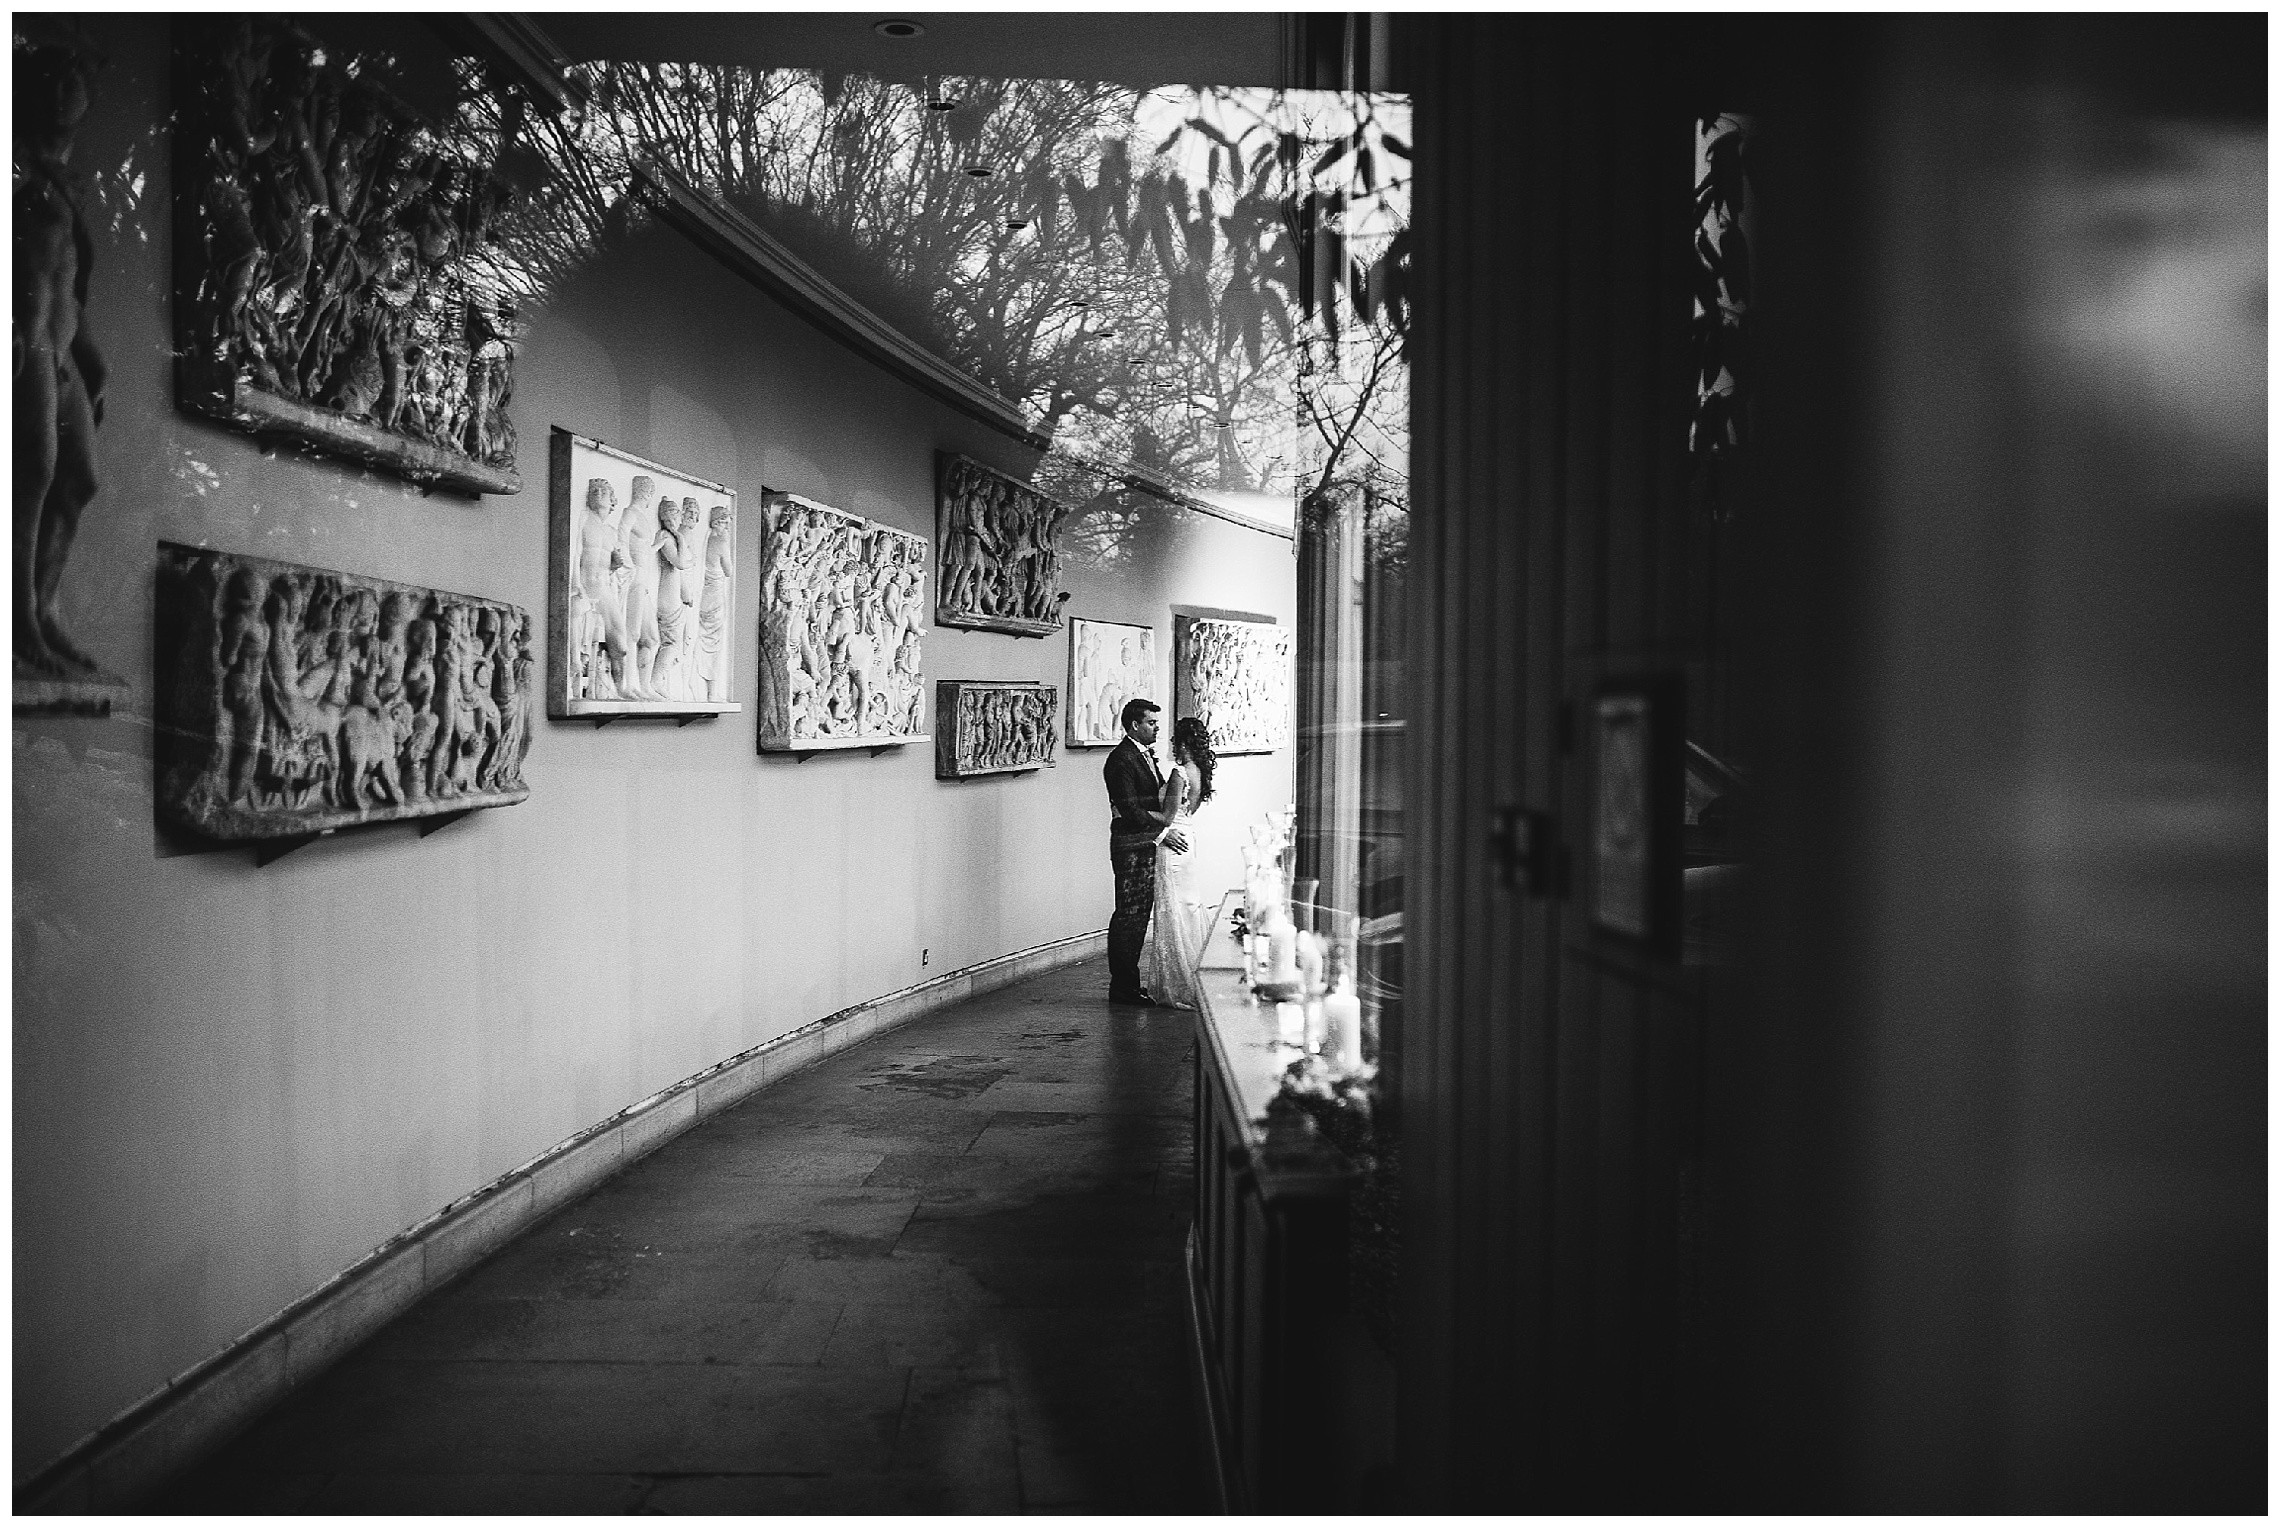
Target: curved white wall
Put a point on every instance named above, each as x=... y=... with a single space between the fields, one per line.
x=230 y=1081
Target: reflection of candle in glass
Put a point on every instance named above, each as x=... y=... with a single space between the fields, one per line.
x=1290 y=1023
x=1317 y=1028
x=1310 y=960
x=1342 y=1023
x=1282 y=950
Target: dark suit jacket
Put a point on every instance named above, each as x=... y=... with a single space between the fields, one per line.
x=1134 y=791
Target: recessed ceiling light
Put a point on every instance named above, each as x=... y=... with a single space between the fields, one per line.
x=899 y=29
x=980 y=171
x=1015 y=225
x=944 y=104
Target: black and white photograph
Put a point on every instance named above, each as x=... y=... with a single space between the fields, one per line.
x=1164 y=763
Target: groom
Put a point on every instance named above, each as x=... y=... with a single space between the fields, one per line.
x=1135 y=792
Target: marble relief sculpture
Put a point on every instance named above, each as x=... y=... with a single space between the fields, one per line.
x=59 y=371
x=842 y=605
x=329 y=283
x=1236 y=677
x=1109 y=664
x=296 y=700
x=1001 y=564
x=642 y=585
x=992 y=727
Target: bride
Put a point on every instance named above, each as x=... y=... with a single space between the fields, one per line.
x=1177 y=925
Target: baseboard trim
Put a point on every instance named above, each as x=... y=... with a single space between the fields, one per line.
x=206 y=1405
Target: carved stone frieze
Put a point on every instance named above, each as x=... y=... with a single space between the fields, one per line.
x=642 y=592
x=1236 y=676
x=59 y=372
x=1001 y=565
x=992 y=727
x=1109 y=664
x=842 y=612
x=292 y=700
x=328 y=279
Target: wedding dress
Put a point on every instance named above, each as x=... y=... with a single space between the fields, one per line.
x=1175 y=929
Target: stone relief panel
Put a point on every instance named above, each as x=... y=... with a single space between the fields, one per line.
x=992 y=727
x=329 y=281
x=296 y=699
x=842 y=607
x=1001 y=564
x=1236 y=676
x=59 y=371
x=641 y=589
x=1109 y=664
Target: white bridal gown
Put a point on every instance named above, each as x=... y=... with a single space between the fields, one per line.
x=1175 y=930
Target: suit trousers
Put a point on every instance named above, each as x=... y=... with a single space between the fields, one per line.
x=1134 y=862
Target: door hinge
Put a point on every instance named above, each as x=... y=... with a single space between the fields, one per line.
x=1526 y=850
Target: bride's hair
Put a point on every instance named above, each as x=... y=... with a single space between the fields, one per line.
x=1191 y=737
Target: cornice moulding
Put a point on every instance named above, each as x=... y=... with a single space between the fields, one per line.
x=749 y=250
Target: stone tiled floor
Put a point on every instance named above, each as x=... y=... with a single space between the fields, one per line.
x=938 y=1272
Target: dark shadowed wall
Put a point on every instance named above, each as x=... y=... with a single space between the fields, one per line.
x=1950 y=1195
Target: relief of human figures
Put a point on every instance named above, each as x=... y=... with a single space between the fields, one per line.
x=302 y=698
x=1001 y=566
x=1110 y=663
x=59 y=373
x=647 y=563
x=1237 y=680
x=842 y=610
x=336 y=259
x=716 y=603
x=991 y=728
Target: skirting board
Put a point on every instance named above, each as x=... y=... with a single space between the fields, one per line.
x=196 y=1412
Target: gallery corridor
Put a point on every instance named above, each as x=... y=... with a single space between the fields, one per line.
x=937 y=1272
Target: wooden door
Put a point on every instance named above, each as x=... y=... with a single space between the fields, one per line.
x=1553 y=1073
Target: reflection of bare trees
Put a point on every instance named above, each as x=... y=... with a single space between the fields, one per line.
x=1001 y=567
x=1139 y=271
x=331 y=243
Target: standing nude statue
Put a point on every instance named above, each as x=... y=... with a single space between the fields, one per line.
x=692 y=586
x=59 y=372
x=454 y=723
x=672 y=553
x=419 y=699
x=637 y=537
x=717 y=604
x=245 y=654
x=597 y=618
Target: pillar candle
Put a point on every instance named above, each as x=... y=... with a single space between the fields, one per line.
x=1310 y=960
x=1342 y=1022
x=1290 y=1024
x=1282 y=950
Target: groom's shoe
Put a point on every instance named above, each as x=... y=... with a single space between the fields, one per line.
x=1129 y=997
